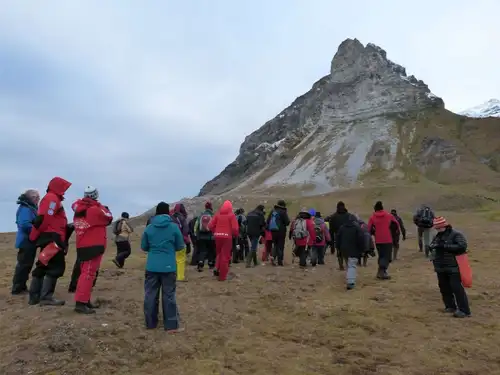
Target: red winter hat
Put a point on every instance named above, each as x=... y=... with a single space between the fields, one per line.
x=440 y=222
x=208 y=205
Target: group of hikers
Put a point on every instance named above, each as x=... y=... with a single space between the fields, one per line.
x=217 y=238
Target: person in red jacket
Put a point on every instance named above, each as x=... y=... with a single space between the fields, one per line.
x=90 y=220
x=381 y=225
x=268 y=245
x=224 y=226
x=303 y=234
x=50 y=232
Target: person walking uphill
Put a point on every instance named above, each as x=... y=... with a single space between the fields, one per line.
x=396 y=234
x=122 y=231
x=445 y=247
x=277 y=222
x=50 y=233
x=26 y=254
x=424 y=219
x=224 y=226
x=206 y=244
x=303 y=234
x=161 y=240
x=256 y=225
x=351 y=244
x=321 y=238
x=90 y=220
x=381 y=224
x=339 y=218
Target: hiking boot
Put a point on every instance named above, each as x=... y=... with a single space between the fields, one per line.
x=47 y=293
x=216 y=272
x=382 y=275
x=115 y=262
x=350 y=286
x=460 y=314
x=83 y=308
x=35 y=290
x=449 y=310
x=199 y=268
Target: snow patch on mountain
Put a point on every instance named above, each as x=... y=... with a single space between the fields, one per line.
x=491 y=108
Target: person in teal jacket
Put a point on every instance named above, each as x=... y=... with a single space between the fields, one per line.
x=161 y=240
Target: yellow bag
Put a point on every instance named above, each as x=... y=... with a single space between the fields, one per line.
x=180 y=259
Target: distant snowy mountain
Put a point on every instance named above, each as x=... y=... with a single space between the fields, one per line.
x=489 y=109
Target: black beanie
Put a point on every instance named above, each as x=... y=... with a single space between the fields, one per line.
x=378 y=206
x=125 y=215
x=281 y=203
x=340 y=204
x=162 y=209
x=317 y=214
x=260 y=207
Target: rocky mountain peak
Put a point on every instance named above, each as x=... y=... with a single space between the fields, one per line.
x=490 y=108
x=340 y=129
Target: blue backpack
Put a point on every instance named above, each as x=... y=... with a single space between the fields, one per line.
x=273 y=222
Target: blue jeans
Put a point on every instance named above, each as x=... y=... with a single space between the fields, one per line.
x=254 y=243
x=153 y=284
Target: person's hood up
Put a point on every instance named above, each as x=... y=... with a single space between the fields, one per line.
x=25 y=201
x=58 y=186
x=226 y=208
x=161 y=221
x=83 y=204
x=180 y=209
x=381 y=213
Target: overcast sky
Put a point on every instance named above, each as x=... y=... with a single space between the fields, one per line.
x=147 y=100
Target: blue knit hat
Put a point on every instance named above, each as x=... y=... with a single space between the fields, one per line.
x=312 y=211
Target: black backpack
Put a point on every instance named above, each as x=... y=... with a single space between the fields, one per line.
x=426 y=217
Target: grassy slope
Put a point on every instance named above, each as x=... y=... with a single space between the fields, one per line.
x=277 y=321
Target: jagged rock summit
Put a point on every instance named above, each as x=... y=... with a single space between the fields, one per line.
x=366 y=120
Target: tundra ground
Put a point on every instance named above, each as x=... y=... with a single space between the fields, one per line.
x=273 y=320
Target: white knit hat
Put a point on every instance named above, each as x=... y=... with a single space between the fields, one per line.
x=91 y=192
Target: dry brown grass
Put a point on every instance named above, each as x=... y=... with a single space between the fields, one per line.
x=271 y=320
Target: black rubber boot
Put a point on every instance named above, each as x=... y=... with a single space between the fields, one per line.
x=47 y=294
x=35 y=290
x=83 y=308
x=395 y=253
x=427 y=251
x=341 y=264
x=254 y=258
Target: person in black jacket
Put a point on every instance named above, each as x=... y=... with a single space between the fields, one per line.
x=336 y=220
x=446 y=245
x=350 y=242
x=256 y=224
x=277 y=222
x=396 y=234
x=192 y=235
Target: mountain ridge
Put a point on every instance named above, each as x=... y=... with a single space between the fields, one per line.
x=365 y=122
x=490 y=108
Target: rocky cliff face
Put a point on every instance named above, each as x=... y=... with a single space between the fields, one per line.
x=366 y=118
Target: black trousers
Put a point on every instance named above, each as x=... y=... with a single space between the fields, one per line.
x=206 y=251
x=75 y=275
x=384 y=255
x=26 y=256
x=317 y=255
x=123 y=251
x=279 y=246
x=301 y=252
x=452 y=291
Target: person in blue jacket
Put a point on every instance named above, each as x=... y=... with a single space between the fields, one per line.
x=26 y=213
x=161 y=239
